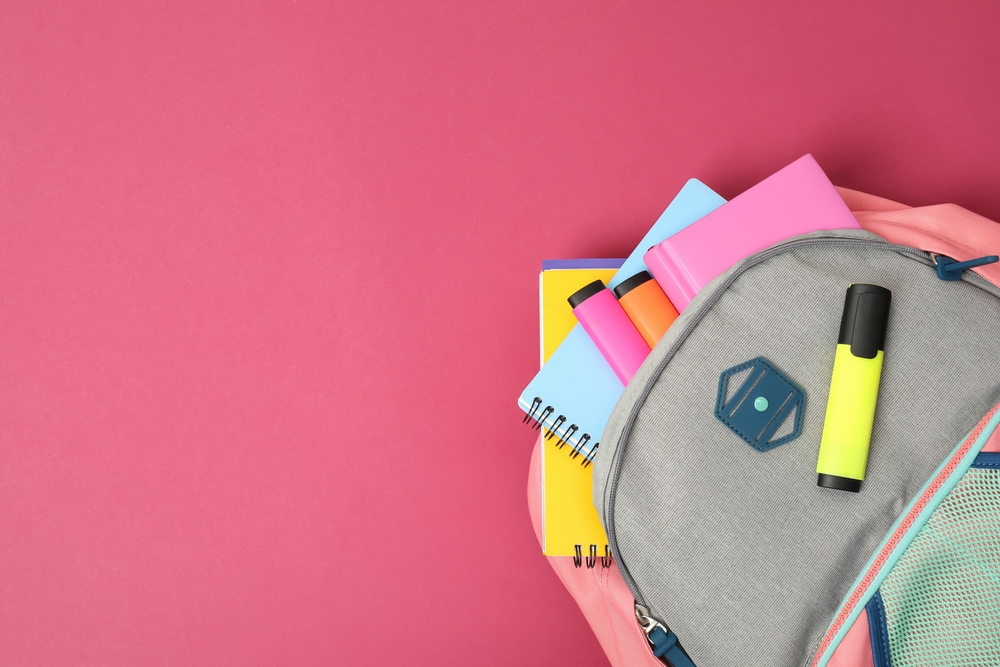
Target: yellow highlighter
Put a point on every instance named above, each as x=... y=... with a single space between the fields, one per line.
x=857 y=368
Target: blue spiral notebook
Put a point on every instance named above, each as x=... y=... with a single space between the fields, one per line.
x=574 y=393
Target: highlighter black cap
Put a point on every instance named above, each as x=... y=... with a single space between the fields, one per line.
x=839 y=483
x=584 y=293
x=866 y=314
x=627 y=286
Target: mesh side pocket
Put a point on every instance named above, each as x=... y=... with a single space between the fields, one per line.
x=942 y=598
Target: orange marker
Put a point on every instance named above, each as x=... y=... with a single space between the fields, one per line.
x=647 y=306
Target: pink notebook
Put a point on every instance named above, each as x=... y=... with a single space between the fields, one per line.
x=796 y=200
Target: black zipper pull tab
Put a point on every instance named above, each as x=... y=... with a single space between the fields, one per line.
x=664 y=642
x=951 y=269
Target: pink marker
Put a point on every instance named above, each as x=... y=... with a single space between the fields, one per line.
x=605 y=321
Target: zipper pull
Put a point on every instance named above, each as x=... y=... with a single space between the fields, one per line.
x=951 y=269
x=664 y=642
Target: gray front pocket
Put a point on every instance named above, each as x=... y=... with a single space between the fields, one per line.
x=738 y=549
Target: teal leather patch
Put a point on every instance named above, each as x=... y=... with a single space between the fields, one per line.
x=765 y=405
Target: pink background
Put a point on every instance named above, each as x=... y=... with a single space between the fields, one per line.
x=268 y=276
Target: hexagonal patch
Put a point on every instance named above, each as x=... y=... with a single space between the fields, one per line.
x=760 y=404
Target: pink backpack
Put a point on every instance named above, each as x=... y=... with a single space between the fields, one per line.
x=602 y=593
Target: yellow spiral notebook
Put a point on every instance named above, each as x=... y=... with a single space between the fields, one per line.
x=570 y=526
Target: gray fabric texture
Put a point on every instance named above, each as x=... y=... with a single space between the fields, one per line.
x=737 y=550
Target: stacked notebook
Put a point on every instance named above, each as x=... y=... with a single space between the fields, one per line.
x=570 y=526
x=574 y=393
x=799 y=199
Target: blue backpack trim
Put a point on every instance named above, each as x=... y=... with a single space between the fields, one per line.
x=989 y=460
x=878 y=631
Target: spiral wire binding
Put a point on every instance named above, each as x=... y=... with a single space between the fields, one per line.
x=534 y=406
x=538 y=421
x=591 y=560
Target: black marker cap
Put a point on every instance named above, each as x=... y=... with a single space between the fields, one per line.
x=627 y=286
x=584 y=293
x=866 y=314
x=839 y=483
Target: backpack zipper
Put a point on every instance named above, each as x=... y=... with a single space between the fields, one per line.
x=662 y=641
x=952 y=269
x=942 y=483
x=929 y=259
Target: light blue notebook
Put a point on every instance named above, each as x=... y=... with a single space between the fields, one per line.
x=574 y=393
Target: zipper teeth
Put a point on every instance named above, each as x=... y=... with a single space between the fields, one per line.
x=748 y=263
x=890 y=546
